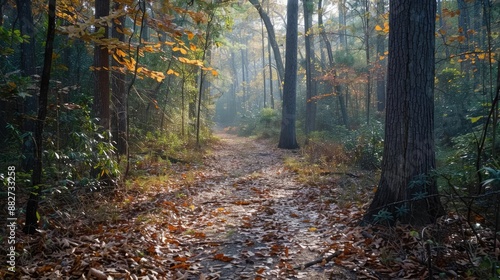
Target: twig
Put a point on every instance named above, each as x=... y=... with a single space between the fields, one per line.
x=339 y=173
x=320 y=260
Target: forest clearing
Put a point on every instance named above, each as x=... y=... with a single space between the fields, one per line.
x=247 y=211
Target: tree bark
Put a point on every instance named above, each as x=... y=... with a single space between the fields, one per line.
x=101 y=105
x=119 y=91
x=288 y=139
x=406 y=189
x=380 y=46
x=368 y=63
x=31 y=223
x=311 y=89
x=203 y=87
x=264 y=88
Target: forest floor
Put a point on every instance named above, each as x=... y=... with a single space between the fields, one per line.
x=245 y=212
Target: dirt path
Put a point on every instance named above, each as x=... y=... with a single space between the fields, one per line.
x=258 y=221
x=239 y=215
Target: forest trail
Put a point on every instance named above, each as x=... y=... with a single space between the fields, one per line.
x=246 y=211
x=240 y=214
x=258 y=221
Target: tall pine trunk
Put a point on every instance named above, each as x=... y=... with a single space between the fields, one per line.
x=407 y=192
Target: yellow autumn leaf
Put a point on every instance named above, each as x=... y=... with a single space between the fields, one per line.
x=192 y=47
x=475 y=119
x=378 y=28
x=120 y=53
x=312 y=229
x=172 y=72
x=215 y=73
x=181 y=50
x=190 y=35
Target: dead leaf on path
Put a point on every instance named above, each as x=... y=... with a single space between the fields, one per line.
x=242 y=202
x=97 y=274
x=222 y=257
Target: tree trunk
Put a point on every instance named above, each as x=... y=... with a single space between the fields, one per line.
x=406 y=190
x=101 y=63
x=206 y=53
x=288 y=139
x=337 y=87
x=311 y=89
x=380 y=45
x=368 y=63
x=272 y=38
x=342 y=23
x=31 y=223
x=119 y=92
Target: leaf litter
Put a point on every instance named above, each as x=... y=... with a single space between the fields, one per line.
x=242 y=214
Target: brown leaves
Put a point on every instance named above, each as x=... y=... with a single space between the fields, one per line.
x=222 y=257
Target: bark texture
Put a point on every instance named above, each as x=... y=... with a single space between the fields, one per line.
x=311 y=89
x=119 y=92
x=288 y=138
x=101 y=105
x=406 y=190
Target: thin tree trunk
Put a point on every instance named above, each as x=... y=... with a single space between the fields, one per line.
x=263 y=63
x=272 y=39
x=311 y=89
x=337 y=87
x=102 y=79
x=271 y=93
x=119 y=91
x=202 y=79
x=342 y=23
x=368 y=63
x=380 y=45
x=31 y=223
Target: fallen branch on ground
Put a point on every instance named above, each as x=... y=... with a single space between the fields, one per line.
x=320 y=260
